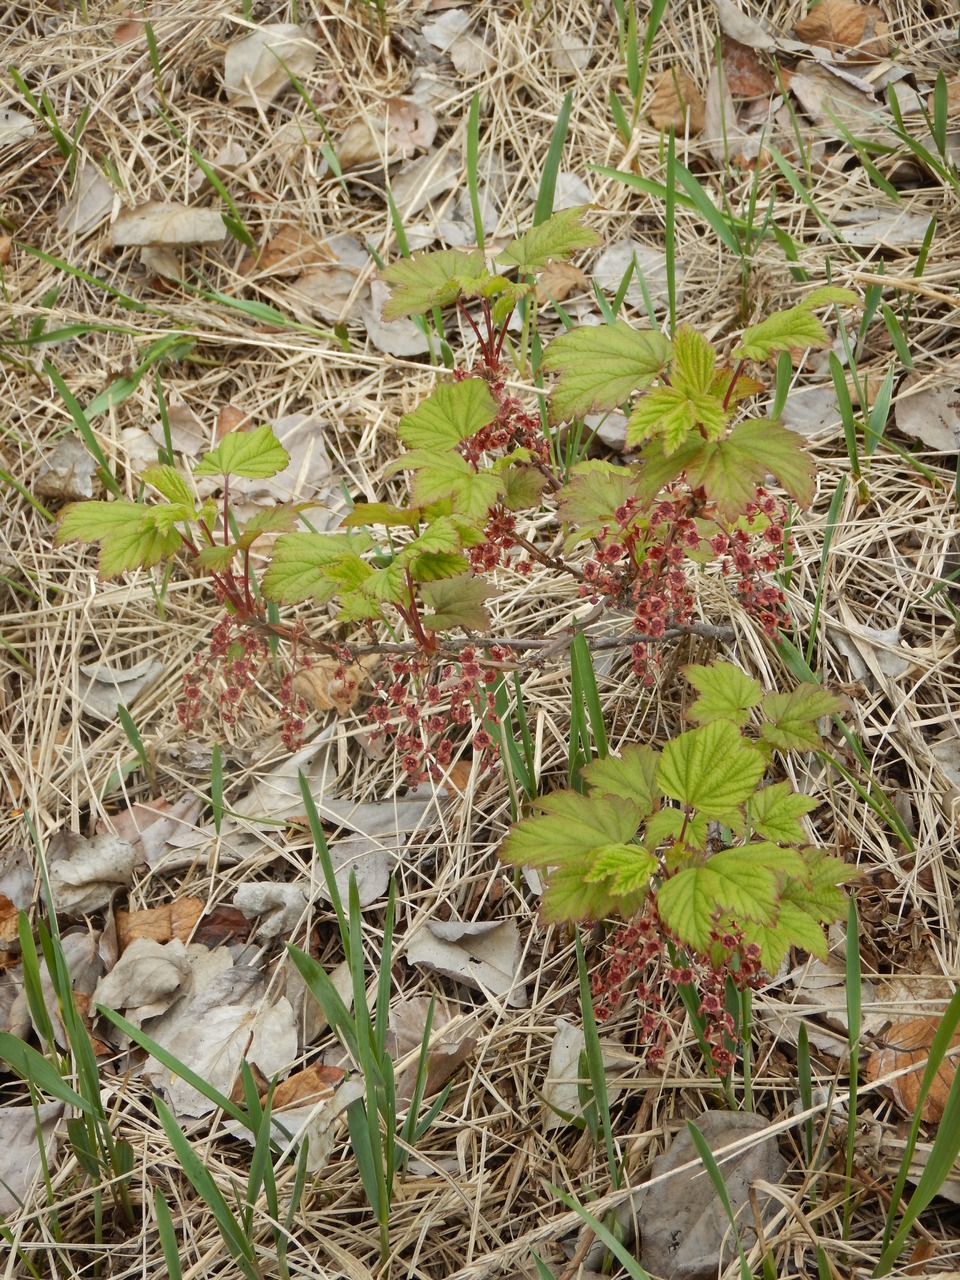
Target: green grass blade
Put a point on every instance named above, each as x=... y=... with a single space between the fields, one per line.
x=605 y=1235
x=234 y=1237
x=597 y=1071
x=168 y=1236
x=83 y=427
x=854 y=1027
x=836 y=502
x=586 y=693
x=551 y=165
x=176 y=1067
x=720 y=1187
x=32 y=1066
x=946 y=1146
x=473 y=167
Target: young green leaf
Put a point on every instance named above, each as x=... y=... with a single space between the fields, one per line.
x=601 y=366
x=382 y=513
x=571 y=827
x=730 y=470
x=279 y=519
x=737 y=881
x=554 y=240
x=690 y=401
x=726 y=693
x=628 y=867
x=712 y=770
x=792 y=330
x=589 y=499
x=791 y=717
x=452 y=413
x=168 y=481
x=774 y=813
x=127 y=534
x=316 y=566
x=254 y=455
x=429 y=280
x=217 y=559
x=631 y=776
x=457 y=602
x=448 y=475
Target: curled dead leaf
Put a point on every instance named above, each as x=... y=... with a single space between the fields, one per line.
x=403 y=128
x=844 y=26
x=330 y=686
x=161 y=222
x=745 y=74
x=675 y=97
x=258 y=66
x=313 y=1084
x=173 y=920
x=286 y=253
x=907 y=1044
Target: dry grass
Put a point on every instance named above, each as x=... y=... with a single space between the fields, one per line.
x=480 y=1194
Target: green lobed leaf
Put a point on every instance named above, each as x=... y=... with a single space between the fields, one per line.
x=571 y=826
x=382 y=513
x=831 y=295
x=448 y=475
x=628 y=867
x=658 y=471
x=126 y=532
x=806 y=904
x=712 y=770
x=254 y=455
x=315 y=566
x=774 y=813
x=388 y=584
x=281 y=518
x=693 y=362
x=457 y=602
x=725 y=693
x=217 y=559
x=601 y=366
x=429 y=280
x=554 y=240
x=691 y=901
x=569 y=897
x=453 y=412
x=168 y=481
x=730 y=470
x=795 y=329
x=435 y=566
x=791 y=717
x=590 y=497
x=631 y=776
x=522 y=488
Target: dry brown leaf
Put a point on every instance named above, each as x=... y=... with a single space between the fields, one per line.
x=907 y=1044
x=129 y=28
x=745 y=74
x=286 y=254
x=8 y=920
x=726 y=140
x=67 y=474
x=675 y=94
x=312 y=1084
x=846 y=27
x=230 y=418
x=6 y=248
x=403 y=128
x=257 y=67
x=328 y=685
x=161 y=222
x=173 y=920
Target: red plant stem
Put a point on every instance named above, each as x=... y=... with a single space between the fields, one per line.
x=733 y=382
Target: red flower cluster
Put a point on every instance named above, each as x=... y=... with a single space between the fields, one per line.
x=417 y=708
x=643 y=949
